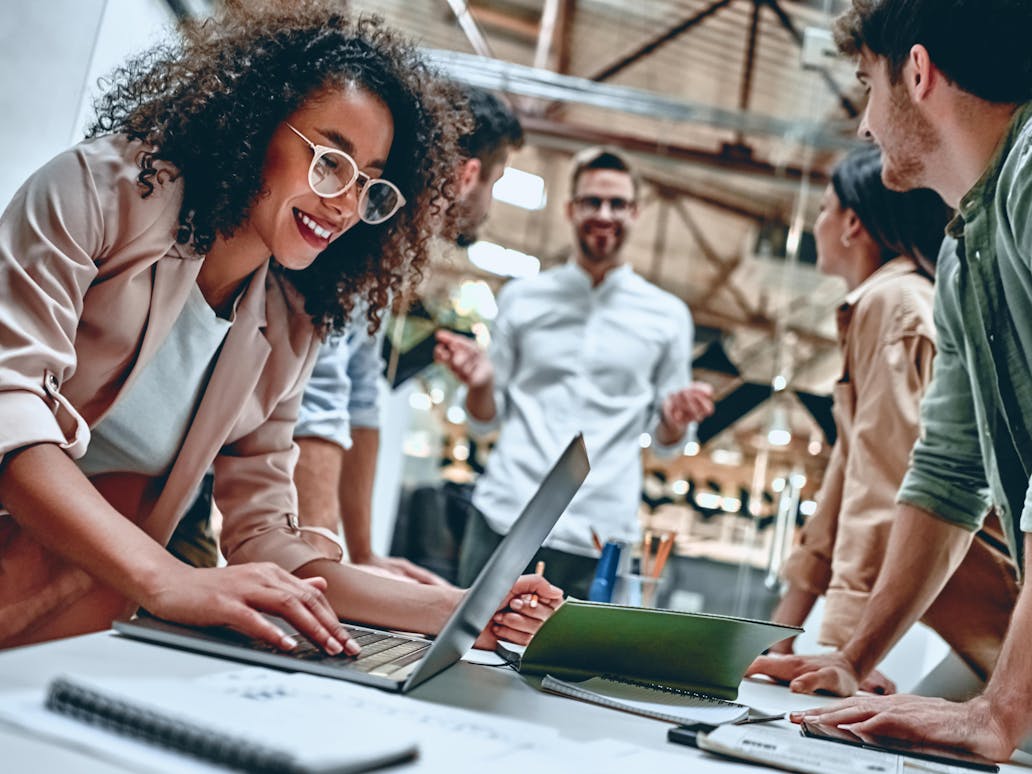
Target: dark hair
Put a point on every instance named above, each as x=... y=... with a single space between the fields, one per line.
x=495 y=129
x=600 y=157
x=982 y=46
x=909 y=223
x=209 y=104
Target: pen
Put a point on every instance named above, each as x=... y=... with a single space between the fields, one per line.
x=596 y=540
x=539 y=569
x=662 y=554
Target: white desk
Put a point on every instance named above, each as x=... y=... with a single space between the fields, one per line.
x=495 y=690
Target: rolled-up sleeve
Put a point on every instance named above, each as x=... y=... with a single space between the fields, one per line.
x=672 y=374
x=1019 y=209
x=324 y=409
x=946 y=476
x=254 y=489
x=808 y=567
x=49 y=237
x=365 y=365
x=885 y=428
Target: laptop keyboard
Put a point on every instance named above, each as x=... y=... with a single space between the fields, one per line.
x=382 y=654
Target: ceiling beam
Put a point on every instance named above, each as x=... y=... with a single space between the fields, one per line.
x=745 y=89
x=523 y=29
x=660 y=40
x=469 y=26
x=845 y=102
x=726 y=159
x=543 y=84
x=546 y=35
x=564 y=36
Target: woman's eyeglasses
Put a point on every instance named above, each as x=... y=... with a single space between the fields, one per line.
x=333 y=172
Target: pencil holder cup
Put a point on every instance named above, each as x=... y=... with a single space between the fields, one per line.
x=601 y=589
x=636 y=590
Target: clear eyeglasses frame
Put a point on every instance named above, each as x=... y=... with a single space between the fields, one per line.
x=333 y=172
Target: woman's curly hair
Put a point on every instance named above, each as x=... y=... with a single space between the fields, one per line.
x=209 y=103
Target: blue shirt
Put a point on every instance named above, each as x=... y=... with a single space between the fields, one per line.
x=344 y=389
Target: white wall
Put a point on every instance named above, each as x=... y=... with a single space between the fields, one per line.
x=51 y=54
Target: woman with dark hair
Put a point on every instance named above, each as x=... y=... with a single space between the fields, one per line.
x=164 y=286
x=884 y=245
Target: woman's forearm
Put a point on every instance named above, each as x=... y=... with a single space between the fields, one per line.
x=49 y=497
x=365 y=597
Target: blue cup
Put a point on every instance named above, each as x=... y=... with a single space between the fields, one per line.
x=605 y=574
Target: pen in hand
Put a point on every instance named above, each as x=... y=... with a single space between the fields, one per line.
x=539 y=569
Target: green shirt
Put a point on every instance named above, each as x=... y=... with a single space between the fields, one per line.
x=975 y=449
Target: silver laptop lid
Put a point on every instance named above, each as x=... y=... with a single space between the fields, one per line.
x=506 y=564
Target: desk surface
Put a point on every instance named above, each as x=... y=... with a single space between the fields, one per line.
x=495 y=690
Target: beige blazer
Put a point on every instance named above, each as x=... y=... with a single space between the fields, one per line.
x=888 y=345
x=91 y=281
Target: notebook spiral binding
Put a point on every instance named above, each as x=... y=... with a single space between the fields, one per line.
x=670 y=689
x=179 y=735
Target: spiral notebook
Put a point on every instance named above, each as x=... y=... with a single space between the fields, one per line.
x=268 y=726
x=649 y=699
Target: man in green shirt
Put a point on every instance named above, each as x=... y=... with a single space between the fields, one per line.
x=950 y=85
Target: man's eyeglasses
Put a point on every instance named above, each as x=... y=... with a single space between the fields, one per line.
x=333 y=172
x=589 y=205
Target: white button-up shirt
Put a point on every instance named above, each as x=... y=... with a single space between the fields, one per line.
x=569 y=358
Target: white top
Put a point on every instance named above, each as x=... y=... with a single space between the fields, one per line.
x=144 y=430
x=571 y=358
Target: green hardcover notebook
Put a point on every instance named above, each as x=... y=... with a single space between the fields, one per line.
x=692 y=652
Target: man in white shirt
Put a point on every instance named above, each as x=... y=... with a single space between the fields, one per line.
x=588 y=347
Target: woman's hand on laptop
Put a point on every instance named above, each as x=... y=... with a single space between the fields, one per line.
x=236 y=597
x=528 y=605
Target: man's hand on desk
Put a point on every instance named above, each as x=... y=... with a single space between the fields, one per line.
x=528 y=605
x=970 y=725
x=825 y=672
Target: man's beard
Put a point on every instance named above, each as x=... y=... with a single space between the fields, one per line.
x=904 y=166
x=589 y=251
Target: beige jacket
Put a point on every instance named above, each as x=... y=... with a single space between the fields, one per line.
x=888 y=344
x=91 y=281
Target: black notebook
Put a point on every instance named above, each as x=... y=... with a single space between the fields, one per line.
x=264 y=726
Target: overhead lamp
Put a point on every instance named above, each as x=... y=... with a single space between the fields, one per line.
x=779 y=433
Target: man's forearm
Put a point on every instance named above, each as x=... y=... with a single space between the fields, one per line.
x=480 y=402
x=794 y=607
x=922 y=553
x=316 y=477
x=1009 y=692
x=356 y=477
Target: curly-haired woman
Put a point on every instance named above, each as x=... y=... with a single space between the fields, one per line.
x=163 y=289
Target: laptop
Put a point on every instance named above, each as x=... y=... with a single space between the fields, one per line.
x=389 y=660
